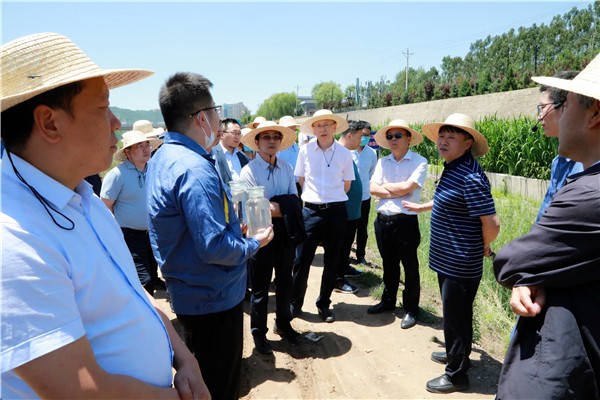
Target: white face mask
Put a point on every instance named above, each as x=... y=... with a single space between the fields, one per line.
x=208 y=139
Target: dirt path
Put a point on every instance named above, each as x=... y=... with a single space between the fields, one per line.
x=360 y=356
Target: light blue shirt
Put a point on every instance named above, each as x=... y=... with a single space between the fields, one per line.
x=195 y=234
x=276 y=180
x=125 y=184
x=60 y=285
x=561 y=168
x=290 y=155
x=365 y=160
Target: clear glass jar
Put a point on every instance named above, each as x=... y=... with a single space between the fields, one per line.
x=238 y=198
x=258 y=210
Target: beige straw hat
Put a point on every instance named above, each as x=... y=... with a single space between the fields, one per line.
x=321 y=115
x=587 y=82
x=134 y=137
x=289 y=122
x=415 y=138
x=464 y=122
x=289 y=136
x=147 y=129
x=37 y=63
x=255 y=123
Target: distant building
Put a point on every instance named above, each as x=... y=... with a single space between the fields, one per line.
x=234 y=110
x=308 y=104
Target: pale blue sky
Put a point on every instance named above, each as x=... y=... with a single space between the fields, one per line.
x=253 y=50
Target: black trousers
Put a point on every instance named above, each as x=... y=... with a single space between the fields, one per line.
x=279 y=257
x=398 y=238
x=457 y=308
x=362 y=230
x=217 y=341
x=139 y=246
x=349 y=233
x=324 y=226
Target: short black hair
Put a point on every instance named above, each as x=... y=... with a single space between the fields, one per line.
x=183 y=94
x=352 y=127
x=557 y=94
x=363 y=125
x=454 y=129
x=228 y=121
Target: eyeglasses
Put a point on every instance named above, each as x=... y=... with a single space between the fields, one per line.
x=216 y=108
x=398 y=135
x=234 y=133
x=556 y=104
x=268 y=138
x=324 y=126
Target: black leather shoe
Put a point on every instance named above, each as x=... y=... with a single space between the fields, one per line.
x=408 y=321
x=381 y=307
x=439 y=357
x=326 y=314
x=443 y=385
x=262 y=345
x=159 y=284
x=288 y=334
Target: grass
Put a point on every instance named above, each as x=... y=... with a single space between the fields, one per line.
x=493 y=319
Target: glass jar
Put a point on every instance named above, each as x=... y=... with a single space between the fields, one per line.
x=258 y=210
x=238 y=198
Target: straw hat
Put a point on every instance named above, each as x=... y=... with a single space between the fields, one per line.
x=289 y=122
x=587 y=82
x=35 y=64
x=321 y=115
x=464 y=122
x=147 y=129
x=255 y=123
x=289 y=136
x=134 y=137
x=415 y=138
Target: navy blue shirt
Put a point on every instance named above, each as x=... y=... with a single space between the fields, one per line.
x=461 y=198
x=195 y=234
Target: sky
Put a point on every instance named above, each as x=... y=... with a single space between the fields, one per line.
x=252 y=50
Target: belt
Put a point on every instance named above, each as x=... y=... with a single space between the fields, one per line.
x=395 y=217
x=323 y=206
x=134 y=231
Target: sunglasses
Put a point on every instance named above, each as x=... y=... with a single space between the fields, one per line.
x=268 y=138
x=398 y=135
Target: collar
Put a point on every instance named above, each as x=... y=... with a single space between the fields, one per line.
x=407 y=156
x=465 y=158
x=594 y=169
x=129 y=165
x=183 y=140
x=262 y=163
x=225 y=151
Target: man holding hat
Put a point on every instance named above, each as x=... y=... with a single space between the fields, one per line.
x=276 y=176
x=124 y=193
x=463 y=226
x=399 y=177
x=554 y=269
x=325 y=171
x=75 y=320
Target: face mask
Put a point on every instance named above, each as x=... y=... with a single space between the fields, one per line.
x=364 y=140
x=248 y=149
x=209 y=139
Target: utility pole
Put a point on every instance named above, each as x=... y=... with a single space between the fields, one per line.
x=407 y=55
x=296 y=109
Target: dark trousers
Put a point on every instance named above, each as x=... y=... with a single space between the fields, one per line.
x=278 y=256
x=322 y=226
x=347 y=241
x=216 y=341
x=139 y=246
x=457 y=308
x=362 y=230
x=398 y=238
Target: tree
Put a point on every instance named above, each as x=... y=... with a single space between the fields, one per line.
x=327 y=94
x=277 y=106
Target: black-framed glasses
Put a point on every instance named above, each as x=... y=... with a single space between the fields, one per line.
x=556 y=104
x=268 y=138
x=216 y=108
x=397 y=135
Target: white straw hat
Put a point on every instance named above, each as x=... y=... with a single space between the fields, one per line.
x=587 y=82
x=145 y=126
x=289 y=136
x=37 y=63
x=415 y=138
x=321 y=115
x=255 y=123
x=134 y=137
x=289 y=122
x=464 y=122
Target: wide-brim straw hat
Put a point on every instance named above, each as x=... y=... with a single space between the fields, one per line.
x=289 y=122
x=587 y=82
x=37 y=63
x=464 y=122
x=289 y=136
x=415 y=138
x=134 y=137
x=322 y=115
x=145 y=126
x=255 y=123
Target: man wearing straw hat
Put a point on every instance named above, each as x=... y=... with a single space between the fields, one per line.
x=124 y=193
x=75 y=319
x=463 y=226
x=145 y=126
x=554 y=269
x=196 y=235
x=325 y=172
x=399 y=177
x=276 y=176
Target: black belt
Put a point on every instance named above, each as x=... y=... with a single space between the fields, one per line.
x=395 y=217
x=134 y=231
x=323 y=206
